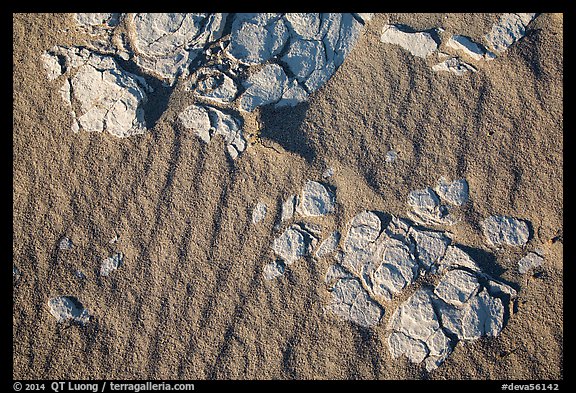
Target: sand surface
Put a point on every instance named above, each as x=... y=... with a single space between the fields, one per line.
x=190 y=301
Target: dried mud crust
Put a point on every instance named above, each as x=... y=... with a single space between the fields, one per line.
x=191 y=299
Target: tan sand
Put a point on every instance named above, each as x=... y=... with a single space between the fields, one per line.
x=190 y=301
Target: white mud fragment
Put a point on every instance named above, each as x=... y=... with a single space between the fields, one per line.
x=195 y=118
x=469 y=48
x=455 y=193
x=382 y=257
x=111 y=99
x=457 y=258
x=315 y=200
x=288 y=208
x=431 y=247
x=530 y=261
x=334 y=273
x=509 y=29
x=419 y=44
x=68 y=309
x=293 y=95
x=328 y=245
x=329 y=172
x=257 y=37
x=391 y=156
x=426 y=208
x=16 y=274
x=295 y=242
x=393 y=268
x=65 y=244
x=112 y=263
x=259 y=212
x=273 y=270
x=97 y=19
x=165 y=44
x=230 y=127
x=263 y=88
x=453 y=65
x=216 y=86
x=351 y=302
x=456 y=287
x=482 y=315
x=502 y=230
x=416 y=332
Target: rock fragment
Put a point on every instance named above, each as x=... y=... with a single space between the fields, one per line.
x=530 y=261
x=259 y=212
x=295 y=242
x=316 y=200
x=509 y=29
x=419 y=44
x=68 y=308
x=503 y=230
x=112 y=263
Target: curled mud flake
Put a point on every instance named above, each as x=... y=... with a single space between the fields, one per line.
x=469 y=48
x=453 y=65
x=419 y=44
